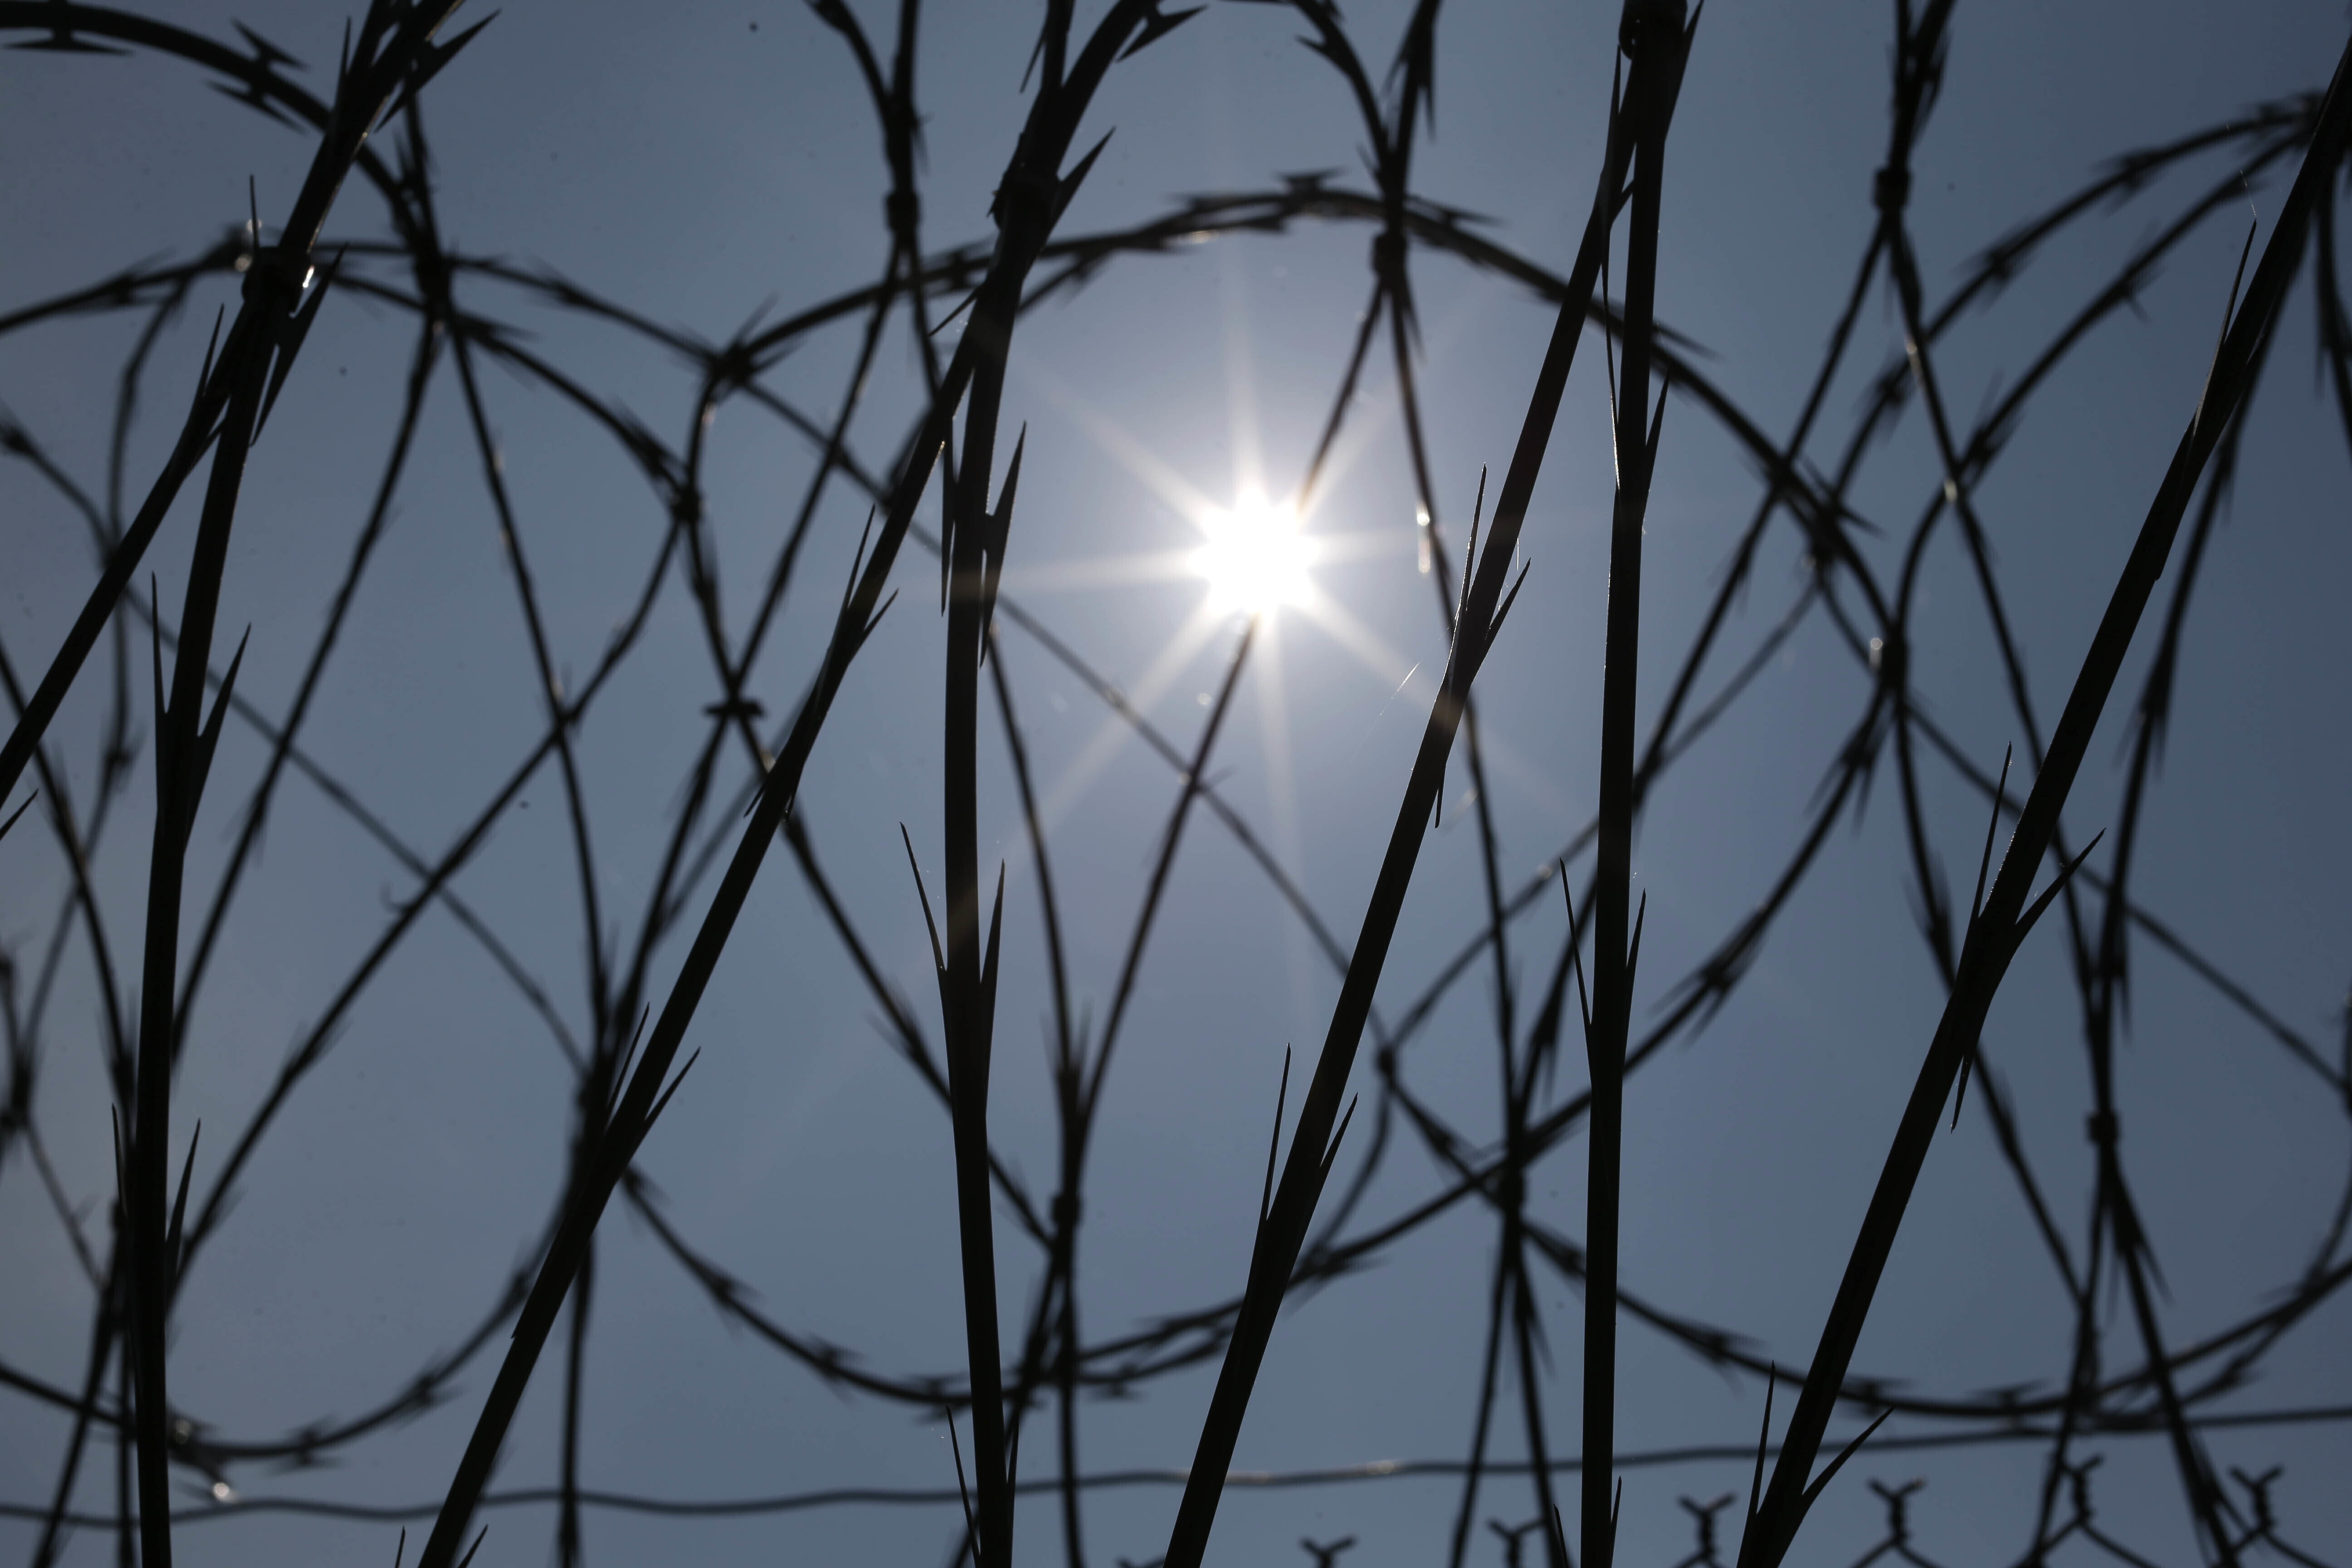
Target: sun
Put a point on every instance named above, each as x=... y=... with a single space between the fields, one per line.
x=1253 y=558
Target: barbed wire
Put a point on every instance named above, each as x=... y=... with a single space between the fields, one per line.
x=2168 y=1388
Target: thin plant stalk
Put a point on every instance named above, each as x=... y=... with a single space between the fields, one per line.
x=1993 y=936
x=182 y=755
x=1053 y=123
x=1283 y=1228
x=1657 y=46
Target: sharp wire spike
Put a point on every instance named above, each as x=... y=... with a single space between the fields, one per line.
x=155 y=657
x=1657 y=429
x=208 y=738
x=1496 y=628
x=1975 y=910
x=2228 y=318
x=858 y=562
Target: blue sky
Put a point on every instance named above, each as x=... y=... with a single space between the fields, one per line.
x=703 y=165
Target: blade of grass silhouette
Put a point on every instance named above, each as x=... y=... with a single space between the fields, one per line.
x=1279 y=1242
x=229 y=393
x=1391 y=259
x=1992 y=828
x=183 y=751
x=2335 y=322
x=1454 y=605
x=180 y=1208
x=2157 y=930
x=2057 y=885
x=1990 y=270
x=968 y=535
x=1656 y=44
x=1050 y=126
x=903 y=1028
x=1273 y=1144
x=1029 y=201
x=1822 y=1481
x=732 y=671
x=1975 y=912
x=1983 y=961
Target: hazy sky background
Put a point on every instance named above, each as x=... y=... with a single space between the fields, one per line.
x=691 y=162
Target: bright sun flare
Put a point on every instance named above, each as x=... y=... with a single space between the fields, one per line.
x=1254 y=559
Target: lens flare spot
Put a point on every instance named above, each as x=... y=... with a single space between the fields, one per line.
x=1253 y=558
